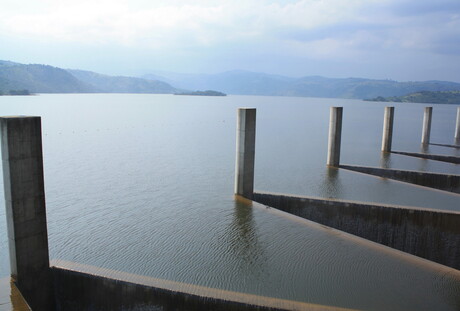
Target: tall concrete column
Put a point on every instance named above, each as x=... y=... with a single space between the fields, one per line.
x=387 y=136
x=427 y=125
x=25 y=209
x=457 y=126
x=245 y=152
x=335 y=136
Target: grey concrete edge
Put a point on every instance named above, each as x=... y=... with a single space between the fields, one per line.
x=190 y=289
x=351 y=169
x=344 y=166
x=433 y=157
x=375 y=204
x=445 y=145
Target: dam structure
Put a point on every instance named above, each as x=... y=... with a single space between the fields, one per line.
x=427 y=233
x=420 y=242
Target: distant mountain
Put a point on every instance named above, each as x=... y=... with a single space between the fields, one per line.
x=110 y=84
x=232 y=82
x=442 y=97
x=251 y=83
x=40 y=79
x=48 y=79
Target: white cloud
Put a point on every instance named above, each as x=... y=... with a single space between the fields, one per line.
x=165 y=23
x=229 y=34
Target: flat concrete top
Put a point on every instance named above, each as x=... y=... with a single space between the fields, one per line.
x=191 y=289
x=347 y=167
x=10 y=297
x=18 y=117
x=370 y=204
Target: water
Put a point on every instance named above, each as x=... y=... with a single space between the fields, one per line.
x=144 y=184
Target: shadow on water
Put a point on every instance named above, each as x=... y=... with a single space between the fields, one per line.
x=331 y=186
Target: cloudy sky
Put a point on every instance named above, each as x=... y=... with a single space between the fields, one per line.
x=384 y=39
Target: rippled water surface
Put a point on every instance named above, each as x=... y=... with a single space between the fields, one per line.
x=144 y=184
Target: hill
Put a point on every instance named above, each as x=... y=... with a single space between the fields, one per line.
x=442 y=97
x=252 y=83
x=40 y=79
x=120 y=84
x=47 y=79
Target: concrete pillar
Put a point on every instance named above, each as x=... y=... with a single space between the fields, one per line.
x=245 y=152
x=427 y=125
x=387 y=136
x=335 y=136
x=457 y=126
x=25 y=209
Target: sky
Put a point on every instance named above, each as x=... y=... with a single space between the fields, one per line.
x=404 y=40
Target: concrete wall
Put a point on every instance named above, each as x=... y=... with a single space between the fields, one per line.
x=22 y=162
x=82 y=287
x=430 y=234
x=436 y=157
x=433 y=180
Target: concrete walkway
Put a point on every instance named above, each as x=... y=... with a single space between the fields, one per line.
x=10 y=297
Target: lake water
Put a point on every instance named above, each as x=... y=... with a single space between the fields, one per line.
x=144 y=184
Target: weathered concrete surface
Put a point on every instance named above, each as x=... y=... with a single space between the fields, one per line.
x=444 y=182
x=430 y=234
x=436 y=157
x=10 y=297
x=335 y=136
x=83 y=287
x=25 y=209
x=387 y=135
x=426 y=131
x=245 y=151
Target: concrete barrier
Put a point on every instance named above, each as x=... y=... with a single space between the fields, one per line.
x=436 y=157
x=83 y=287
x=446 y=182
x=446 y=145
x=427 y=233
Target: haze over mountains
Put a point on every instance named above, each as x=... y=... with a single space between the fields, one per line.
x=48 y=79
x=252 y=83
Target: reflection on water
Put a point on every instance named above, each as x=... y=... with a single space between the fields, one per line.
x=385 y=160
x=331 y=184
x=457 y=141
x=242 y=239
x=142 y=184
x=424 y=163
x=424 y=148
